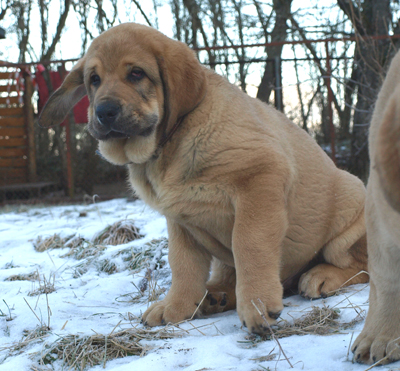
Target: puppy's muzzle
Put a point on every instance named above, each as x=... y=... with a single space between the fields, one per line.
x=107 y=114
x=112 y=120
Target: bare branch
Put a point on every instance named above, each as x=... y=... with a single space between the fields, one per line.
x=317 y=60
x=4 y=10
x=60 y=28
x=142 y=12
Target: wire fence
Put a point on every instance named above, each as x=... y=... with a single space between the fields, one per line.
x=61 y=163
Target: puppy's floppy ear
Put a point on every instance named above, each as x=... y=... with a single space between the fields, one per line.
x=64 y=98
x=183 y=77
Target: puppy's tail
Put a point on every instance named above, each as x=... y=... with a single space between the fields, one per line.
x=388 y=152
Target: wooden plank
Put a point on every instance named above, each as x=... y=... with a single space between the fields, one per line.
x=13 y=172
x=7 y=75
x=12 y=132
x=13 y=142
x=8 y=101
x=14 y=111
x=13 y=152
x=28 y=186
x=13 y=162
x=12 y=121
x=6 y=181
x=8 y=88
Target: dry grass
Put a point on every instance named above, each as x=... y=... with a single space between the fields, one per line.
x=34 y=276
x=119 y=233
x=29 y=336
x=10 y=265
x=149 y=255
x=147 y=290
x=318 y=321
x=52 y=242
x=149 y=284
x=82 y=352
x=46 y=286
x=81 y=248
x=107 y=266
x=41 y=368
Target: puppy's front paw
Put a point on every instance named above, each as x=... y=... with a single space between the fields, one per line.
x=168 y=311
x=325 y=279
x=375 y=343
x=250 y=317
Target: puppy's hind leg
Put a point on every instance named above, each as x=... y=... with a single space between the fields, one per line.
x=221 y=289
x=344 y=262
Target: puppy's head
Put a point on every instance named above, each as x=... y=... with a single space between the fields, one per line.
x=139 y=83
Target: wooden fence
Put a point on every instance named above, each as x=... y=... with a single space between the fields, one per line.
x=17 y=149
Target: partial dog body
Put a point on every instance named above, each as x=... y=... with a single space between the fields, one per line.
x=244 y=190
x=381 y=334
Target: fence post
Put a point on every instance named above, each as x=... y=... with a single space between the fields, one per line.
x=278 y=84
x=330 y=100
x=70 y=179
x=29 y=124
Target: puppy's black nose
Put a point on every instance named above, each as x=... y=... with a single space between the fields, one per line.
x=107 y=113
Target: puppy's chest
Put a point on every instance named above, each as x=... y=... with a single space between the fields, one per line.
x=192 y=200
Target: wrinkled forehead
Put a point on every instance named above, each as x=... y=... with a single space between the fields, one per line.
x=112 y=51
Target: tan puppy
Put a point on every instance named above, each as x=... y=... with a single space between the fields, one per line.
x=246 y=193
x=381 y=334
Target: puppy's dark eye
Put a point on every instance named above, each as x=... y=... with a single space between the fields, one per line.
x=136 y=74
x=95 y=80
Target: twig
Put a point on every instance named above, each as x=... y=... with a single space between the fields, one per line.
x=97 y=208
x=50 y=257
x=115 y=327
x=197 y=329
x=201 y=302
x=348 y=350
x=105 y=351
x=8 y=309
x=48 y=311
x=347 y=297
x=270 y=329
x=65 y=324
x=343 y=284
x=33 y=312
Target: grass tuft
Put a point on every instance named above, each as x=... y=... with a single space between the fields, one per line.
x=119 y=233
x=107 y=266
x=318 y=321
x=83 y=352
x=34 y=276
x=81 y=248
x=46 y=286
x=29 y=337
x=52 y=242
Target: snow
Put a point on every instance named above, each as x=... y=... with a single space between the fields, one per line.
x=95 y=301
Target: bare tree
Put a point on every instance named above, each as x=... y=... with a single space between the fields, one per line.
x=279 y=33
x=22 y=14
x=4 y=7
x=368 y=18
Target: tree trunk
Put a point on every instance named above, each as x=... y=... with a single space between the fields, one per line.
x=282 y=14
x=370 y=58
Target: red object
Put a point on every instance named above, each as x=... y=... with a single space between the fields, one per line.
x=80 y=109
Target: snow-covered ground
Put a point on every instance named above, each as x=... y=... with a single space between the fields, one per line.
x=96 y=295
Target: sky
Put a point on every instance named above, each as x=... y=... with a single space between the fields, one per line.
x=70 y=45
